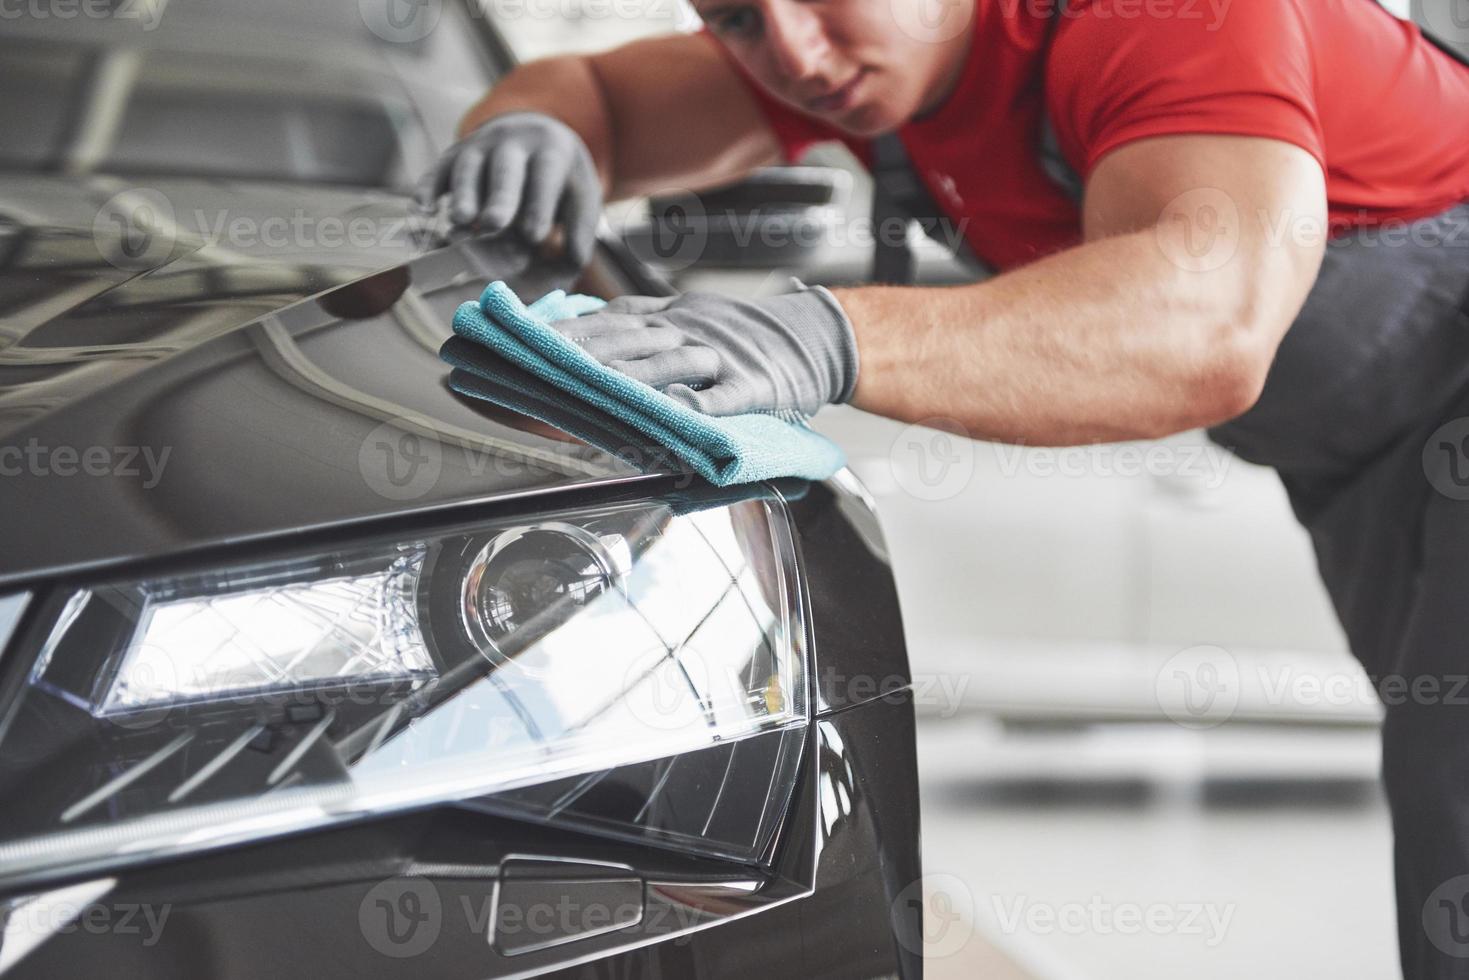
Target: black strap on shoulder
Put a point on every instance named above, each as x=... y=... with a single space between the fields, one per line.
x=894 y=185
x=1053 y=161
x=899 y=197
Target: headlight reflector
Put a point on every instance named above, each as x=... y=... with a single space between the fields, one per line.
x=353 y=627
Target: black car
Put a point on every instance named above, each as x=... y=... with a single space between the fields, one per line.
x=310 y=667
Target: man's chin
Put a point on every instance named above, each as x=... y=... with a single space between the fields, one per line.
x=867 y=121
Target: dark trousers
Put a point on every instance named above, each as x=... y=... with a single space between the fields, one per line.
x=1365 y=415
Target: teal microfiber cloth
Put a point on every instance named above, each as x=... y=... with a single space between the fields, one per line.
x=583 y=395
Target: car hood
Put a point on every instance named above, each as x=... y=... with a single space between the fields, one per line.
x=168 y=381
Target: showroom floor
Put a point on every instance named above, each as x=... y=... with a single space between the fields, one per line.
x=1132 y=879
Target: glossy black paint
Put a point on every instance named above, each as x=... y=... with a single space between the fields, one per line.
x=859 y=653
x=282 y=385
x=257 y=425
x=294 y=908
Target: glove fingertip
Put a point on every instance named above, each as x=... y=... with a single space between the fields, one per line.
x=686 y=396
x=493 y=221
x=579 y=247
x=462 y=212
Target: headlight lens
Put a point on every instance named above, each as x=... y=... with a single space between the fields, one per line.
x=357 y=625
x=523 y=582
x=176 y=714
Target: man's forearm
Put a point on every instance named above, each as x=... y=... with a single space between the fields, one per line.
x=564 y=87
x=1106 y=341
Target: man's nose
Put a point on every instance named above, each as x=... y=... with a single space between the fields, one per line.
x=797 y=38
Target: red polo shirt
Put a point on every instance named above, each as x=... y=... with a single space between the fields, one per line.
x=1381 y=108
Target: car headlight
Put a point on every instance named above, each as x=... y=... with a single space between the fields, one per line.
x=169 y=715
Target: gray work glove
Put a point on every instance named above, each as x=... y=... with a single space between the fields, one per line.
x=521 y=167
x=787 y=355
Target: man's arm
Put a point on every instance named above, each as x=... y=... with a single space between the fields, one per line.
x=1166 y=319
x=664 y=112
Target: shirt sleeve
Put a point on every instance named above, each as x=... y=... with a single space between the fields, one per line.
x=796 y=131
x=1124 y=70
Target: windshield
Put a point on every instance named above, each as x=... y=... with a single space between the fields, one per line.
x=317 y=93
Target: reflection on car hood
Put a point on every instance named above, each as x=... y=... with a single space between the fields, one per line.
x=166 y=385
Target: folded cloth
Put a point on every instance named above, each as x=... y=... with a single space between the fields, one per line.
x=724 y=450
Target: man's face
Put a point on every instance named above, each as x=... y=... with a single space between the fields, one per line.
x=864 y=66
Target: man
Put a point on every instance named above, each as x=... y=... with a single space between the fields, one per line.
x=1192 y=285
